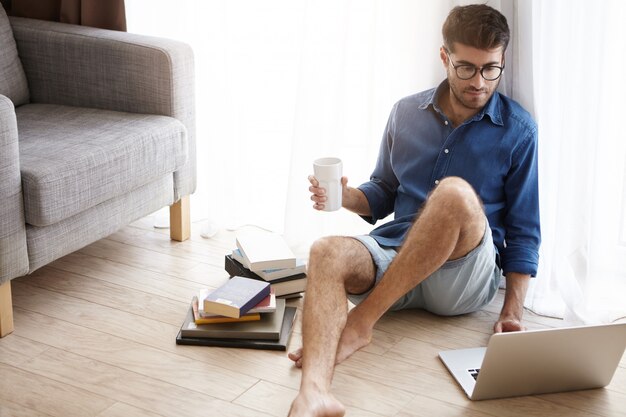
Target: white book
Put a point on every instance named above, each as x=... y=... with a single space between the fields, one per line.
x=272 y=274
x=288 y=287
x=265 y=251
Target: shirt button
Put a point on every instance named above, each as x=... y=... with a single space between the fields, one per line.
x=436 y=182
x=445 y=122
x=446 y=150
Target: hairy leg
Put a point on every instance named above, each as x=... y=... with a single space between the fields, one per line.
x=450 y=225
x=336 y=265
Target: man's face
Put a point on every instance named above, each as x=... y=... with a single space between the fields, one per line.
x=476 y=91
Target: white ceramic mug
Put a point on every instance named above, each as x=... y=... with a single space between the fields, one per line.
x=328 y=172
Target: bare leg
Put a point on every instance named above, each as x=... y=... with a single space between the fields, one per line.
x=450 y=225
x=336 y=265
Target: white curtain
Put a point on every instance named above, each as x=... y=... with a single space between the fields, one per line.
x=282 y=82
x=569 y=58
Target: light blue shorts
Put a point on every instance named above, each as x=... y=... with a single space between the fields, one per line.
x=460 y=286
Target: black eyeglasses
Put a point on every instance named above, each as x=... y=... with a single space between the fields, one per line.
x=466 y=71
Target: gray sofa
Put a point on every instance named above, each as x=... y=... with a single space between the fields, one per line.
x=96 y=131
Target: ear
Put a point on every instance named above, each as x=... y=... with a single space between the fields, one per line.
x=443 y=56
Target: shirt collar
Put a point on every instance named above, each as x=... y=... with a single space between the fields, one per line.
x=493 y=108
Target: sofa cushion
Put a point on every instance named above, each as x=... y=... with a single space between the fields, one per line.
x=73 y=158
x=45 y=244
x=12 y=78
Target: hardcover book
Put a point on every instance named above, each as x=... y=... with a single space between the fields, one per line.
x=265 y=251
x=236 y=297
x=235 y=268
x=280 y=344
x=268 y=328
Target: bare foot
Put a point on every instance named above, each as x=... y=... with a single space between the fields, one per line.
x=316 y=404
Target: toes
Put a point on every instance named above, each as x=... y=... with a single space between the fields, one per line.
x=296 y=355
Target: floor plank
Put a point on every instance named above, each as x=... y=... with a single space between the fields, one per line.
x=11 y=409
x=125 y=410
x=45 y=395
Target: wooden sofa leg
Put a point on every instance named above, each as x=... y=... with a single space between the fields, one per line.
x=6 y=309
x=180 y=222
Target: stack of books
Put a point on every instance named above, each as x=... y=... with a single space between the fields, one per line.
x=266 y=257
x=242 y=313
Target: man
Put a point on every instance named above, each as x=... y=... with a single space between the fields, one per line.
x=458 y=167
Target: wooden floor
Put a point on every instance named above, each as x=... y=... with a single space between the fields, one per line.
x=94 y=336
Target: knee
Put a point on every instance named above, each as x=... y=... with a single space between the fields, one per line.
x=325 y=263
x=458 y=195
x=324 y=249
x=343 y=259
x=456 y=187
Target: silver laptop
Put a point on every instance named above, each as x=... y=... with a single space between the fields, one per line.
x=539 y=361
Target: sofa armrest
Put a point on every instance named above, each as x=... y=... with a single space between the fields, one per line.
x=13 y=252
x=89 y=67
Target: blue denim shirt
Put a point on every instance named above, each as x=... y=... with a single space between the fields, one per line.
x=495 y=151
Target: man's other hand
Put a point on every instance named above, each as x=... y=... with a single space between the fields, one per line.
x=508 y=324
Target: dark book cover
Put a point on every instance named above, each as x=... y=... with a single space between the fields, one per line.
x=280 y=344
x=235 y=268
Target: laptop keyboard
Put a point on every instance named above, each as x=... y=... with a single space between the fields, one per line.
x=474 y=373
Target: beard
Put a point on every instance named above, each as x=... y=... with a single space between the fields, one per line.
x=468 y=96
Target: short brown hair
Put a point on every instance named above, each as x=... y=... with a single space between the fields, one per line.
x=476 y=25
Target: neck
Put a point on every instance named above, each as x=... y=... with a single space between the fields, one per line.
x=454 y=110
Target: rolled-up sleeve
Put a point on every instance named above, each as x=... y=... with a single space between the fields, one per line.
x=522 y=224
x=380 y=190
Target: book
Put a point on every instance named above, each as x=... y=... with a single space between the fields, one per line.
x=236 y=297
x=266 y=305
x=268 y=328
x=265 y=251
x=235 y=268
x=280 y=344
x=290 y=288
x=283 y=287
x=271 y=274
x=222 y=319
x=292 y=295
x=198 y=318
